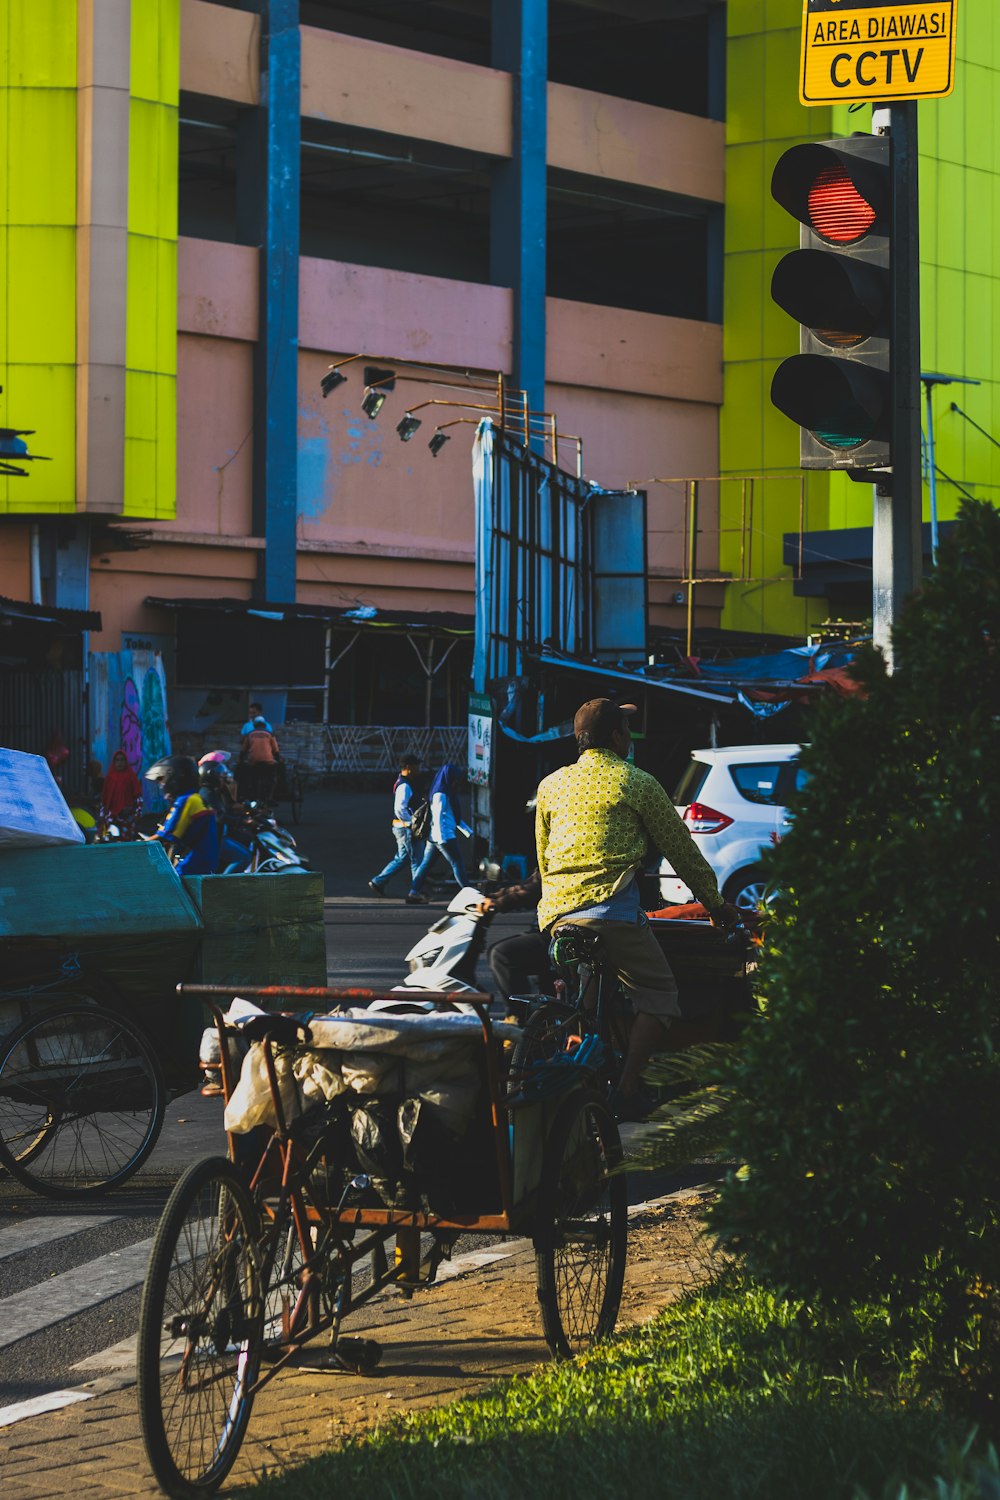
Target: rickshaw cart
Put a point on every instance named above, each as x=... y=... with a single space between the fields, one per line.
x=92 y=1044
x=258 y=1253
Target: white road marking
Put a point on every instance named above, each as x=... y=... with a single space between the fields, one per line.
x=45 y=1231
x=38 y=1405
x=72 y=1292
x=472 y=1262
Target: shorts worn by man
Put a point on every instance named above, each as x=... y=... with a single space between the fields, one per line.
x=593 y=824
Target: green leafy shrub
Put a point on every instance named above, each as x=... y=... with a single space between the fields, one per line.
x=865 y=1100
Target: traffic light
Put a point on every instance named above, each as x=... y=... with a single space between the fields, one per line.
x=838 y=287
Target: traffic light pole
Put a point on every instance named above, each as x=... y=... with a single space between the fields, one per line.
x=897 y=553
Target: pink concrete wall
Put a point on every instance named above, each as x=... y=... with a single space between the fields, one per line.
x=378 y=87
x=219 y=51
x=15 y=562
x=217 y=289
x=611 y=348
x=625 y=141
x=397 y=314
x=382 y=521
x=119 y=582
x=215 y=441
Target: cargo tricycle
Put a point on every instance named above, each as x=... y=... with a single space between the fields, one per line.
x=371 y=1136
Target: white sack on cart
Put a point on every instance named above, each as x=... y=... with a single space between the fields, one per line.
x=251 y=1103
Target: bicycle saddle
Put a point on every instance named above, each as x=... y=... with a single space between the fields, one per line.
x=574 y=945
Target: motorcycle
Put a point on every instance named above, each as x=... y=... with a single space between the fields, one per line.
x=712 y=971
x=269 y=850
x=252 y=841
x=445 y=958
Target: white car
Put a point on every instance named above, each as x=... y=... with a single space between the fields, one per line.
x=733 y=801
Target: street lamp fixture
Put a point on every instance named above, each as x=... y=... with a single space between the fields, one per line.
x=437 y=442
x=407 y=427
x=373 y=402
x=331 y=380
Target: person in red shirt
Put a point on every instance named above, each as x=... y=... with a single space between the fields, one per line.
x=121 y=800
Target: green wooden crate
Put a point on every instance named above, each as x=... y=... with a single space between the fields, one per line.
x=260 y=929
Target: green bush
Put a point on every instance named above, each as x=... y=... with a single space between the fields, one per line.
x=865 y=1101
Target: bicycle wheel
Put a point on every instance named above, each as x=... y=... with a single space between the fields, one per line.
x=582 y=1229
x=82 y=1099
x=283 y=1287
x=200 y=1330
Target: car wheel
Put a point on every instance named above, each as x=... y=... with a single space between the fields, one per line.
x=747 y=888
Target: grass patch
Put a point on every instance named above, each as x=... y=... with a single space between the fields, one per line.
x=730 y=1393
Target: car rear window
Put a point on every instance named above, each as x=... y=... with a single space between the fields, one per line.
x=757 y=781
x=690 y=784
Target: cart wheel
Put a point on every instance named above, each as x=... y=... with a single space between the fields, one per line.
x=296 y=796
x=200 y=1330
x=283 y=1287
x=81 y=1101
x=581 y=1232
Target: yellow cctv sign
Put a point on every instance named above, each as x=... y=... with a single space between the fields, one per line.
x=877 y=49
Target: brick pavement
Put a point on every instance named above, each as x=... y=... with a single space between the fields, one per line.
x=450 y=1341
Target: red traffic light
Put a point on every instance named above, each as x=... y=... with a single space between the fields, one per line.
x=837 y=209
x=841 y=194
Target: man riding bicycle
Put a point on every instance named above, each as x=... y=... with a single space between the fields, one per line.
x=593 y=824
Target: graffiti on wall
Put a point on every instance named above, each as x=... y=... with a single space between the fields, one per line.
x=129 y=710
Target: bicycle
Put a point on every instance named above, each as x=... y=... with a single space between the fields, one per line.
x=591 y=1016
x=255 y=1255
x=82 y=1092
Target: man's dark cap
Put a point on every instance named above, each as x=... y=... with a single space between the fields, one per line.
x=599 y=716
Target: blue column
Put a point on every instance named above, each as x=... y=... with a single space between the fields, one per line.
x=518 y=204
x=275 y=490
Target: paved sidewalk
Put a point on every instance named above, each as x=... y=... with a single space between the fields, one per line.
x=467 y=1332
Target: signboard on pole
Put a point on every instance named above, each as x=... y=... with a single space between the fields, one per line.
x=480 y=739
x=877 y=50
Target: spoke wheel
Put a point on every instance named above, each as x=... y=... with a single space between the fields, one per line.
x=283 y=1288
x=200 y=1330
x=582 y=1227
x=748 y=889
x=82 y=1099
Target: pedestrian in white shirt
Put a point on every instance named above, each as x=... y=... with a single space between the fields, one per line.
x=407 y=848
x=446 y=825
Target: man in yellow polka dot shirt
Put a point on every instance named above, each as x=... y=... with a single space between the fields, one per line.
x=593 y=823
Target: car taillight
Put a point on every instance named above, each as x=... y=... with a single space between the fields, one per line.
x=701 y=818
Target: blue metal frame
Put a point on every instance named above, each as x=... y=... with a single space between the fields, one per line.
x=518 y=207
x=275 y=499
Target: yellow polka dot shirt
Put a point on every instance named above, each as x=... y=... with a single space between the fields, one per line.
x=593 y=823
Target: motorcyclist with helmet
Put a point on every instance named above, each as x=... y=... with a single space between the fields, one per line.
x=189 y=832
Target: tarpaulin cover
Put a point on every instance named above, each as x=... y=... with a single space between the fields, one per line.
x=115 y=911
x=782 y=666
x=33 y=810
